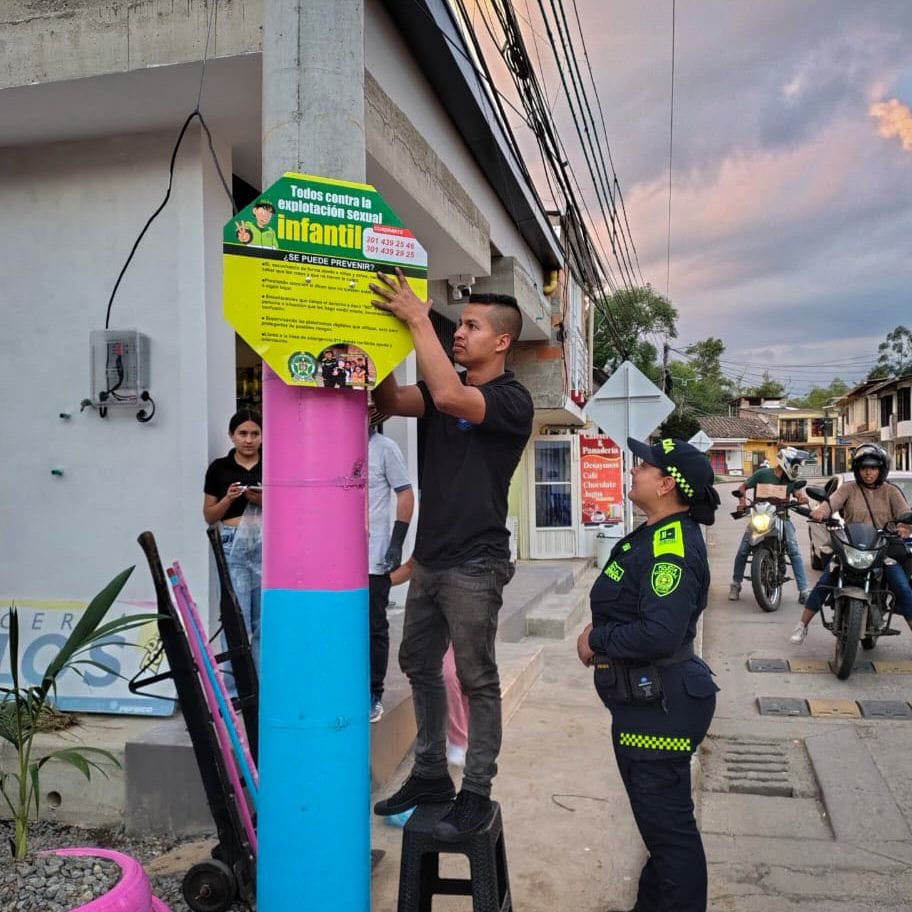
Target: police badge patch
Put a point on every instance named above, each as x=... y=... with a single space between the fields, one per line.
x=665 y=578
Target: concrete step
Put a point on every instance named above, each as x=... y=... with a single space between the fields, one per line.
x=555 y=616
x=533 y=583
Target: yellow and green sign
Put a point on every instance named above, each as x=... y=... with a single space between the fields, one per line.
x=298 y=265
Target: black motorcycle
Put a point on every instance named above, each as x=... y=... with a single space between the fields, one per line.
x=861 y=603
x=768 y=557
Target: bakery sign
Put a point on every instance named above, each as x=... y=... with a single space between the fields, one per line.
x=601 y=489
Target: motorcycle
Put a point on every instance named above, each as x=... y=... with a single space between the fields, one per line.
x=861 y=603
x=768 y=557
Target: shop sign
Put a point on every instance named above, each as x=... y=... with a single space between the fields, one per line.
x=601 y=492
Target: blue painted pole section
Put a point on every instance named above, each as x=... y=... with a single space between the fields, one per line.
x=314 y=703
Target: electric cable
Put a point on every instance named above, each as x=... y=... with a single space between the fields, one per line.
x=670 y=151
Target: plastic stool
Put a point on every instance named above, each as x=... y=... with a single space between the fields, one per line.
x=419 y=870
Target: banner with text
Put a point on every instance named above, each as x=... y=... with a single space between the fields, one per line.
x=601 y=491
x=298 y=263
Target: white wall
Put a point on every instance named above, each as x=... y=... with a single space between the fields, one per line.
x=70 y=215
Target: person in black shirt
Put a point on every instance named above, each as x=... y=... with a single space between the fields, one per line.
x=645 y=606
x=476 y=427
x=232 y=483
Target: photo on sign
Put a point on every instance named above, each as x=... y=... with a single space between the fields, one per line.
x=344 y=366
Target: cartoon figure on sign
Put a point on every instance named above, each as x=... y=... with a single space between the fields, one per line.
x=259 y=234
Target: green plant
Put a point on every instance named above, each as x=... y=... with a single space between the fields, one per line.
x=22 y=706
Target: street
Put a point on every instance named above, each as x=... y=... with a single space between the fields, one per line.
x=802 y=812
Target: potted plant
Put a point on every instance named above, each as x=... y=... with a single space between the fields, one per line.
x=22 y=706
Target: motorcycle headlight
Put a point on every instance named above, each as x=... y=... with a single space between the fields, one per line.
x=857 y=559
x=761 y=522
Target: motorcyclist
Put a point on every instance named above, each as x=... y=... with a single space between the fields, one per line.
x=785 y=472
x=871 y=500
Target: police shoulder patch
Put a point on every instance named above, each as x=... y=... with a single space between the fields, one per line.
x=665 y=578
x=668 y=539
x=614 y=571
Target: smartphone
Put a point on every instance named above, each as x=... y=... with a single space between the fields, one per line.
x=257 y=488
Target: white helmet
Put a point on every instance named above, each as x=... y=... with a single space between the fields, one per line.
x=791 y=459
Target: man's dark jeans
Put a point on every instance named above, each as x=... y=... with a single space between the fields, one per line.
x=379 y=632
x=459 y=604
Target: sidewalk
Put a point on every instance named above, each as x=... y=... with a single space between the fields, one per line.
x=570 y=838
x=157 y=786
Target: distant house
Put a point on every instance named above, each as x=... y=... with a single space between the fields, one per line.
x=880 y=411
x=740 y=445
x=819 y=431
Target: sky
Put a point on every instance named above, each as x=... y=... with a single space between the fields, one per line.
x=791 y=192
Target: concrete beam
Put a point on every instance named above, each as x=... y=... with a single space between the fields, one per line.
x=59 y=39
x=420 y=187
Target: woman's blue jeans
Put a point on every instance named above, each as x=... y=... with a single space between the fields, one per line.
x=244 y=556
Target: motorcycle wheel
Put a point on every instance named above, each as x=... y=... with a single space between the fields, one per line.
x=848 y=633
x=765 y=579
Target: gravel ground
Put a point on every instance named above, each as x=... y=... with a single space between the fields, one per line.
x=58 y=883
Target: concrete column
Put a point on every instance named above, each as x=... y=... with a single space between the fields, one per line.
x=314 y=833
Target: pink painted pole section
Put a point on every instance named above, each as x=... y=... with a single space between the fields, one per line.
x=314 y=475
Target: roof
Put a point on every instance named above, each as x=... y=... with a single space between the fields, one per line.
x=721 y=427
x=431 y=32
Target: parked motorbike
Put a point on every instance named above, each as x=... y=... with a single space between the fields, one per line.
x=768 y=557
x=861 y=604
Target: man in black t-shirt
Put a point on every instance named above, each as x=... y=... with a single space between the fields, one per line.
x=476 y=427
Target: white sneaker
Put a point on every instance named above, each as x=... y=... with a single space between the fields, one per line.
x=799 y=634
x=456 y=756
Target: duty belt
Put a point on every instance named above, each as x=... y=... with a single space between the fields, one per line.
x=683 y=653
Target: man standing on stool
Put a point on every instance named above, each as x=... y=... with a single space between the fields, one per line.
x=386 y=473
x=476 y=427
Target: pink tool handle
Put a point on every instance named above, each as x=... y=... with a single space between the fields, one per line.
x=238 y=726
x=218 y=723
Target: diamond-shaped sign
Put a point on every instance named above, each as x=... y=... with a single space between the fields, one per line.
x=298 y=263
x=701 y=441
x=629 y=405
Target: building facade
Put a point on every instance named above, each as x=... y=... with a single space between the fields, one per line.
x=91 y=103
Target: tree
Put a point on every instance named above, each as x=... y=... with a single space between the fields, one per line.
x=698 y=385
x=894 y=355
x=767 y=388
x=624 y=320
x=821 y=396
x=681 y=425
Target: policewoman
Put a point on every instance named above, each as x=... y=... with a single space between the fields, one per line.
x=645 y=606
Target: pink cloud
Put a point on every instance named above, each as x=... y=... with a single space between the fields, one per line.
x=894 y=119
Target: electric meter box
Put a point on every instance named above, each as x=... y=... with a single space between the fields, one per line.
x=120 y=366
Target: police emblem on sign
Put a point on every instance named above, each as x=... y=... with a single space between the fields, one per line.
x=665 y=578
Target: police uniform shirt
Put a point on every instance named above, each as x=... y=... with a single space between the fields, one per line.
x=646 y=601
x=645 y=608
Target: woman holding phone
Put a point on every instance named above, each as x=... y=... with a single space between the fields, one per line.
x=233 y=496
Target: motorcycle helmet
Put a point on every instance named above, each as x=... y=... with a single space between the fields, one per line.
x=790 y=459
x=871 y=455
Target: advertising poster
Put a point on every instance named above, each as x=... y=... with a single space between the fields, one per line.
x=100 y=684
x=601 y=490
x=298 y=263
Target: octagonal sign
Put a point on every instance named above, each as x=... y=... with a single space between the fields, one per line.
x=297 y=265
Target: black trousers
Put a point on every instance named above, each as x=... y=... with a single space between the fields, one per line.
x=674 y=877
x=653 y=745
x=379 y=632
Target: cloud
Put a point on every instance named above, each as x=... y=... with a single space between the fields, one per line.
x=894 y=119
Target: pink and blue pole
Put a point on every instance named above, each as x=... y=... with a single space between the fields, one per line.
x=314 y=682
x=314 y=759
